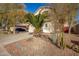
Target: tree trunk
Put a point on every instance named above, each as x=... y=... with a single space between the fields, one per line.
x=14 y=30
x=70 y=27
x=69 y=30
x=37 y=32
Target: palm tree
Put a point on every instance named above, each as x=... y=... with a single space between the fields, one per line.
x=36 y=20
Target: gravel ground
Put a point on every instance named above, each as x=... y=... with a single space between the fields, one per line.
x=38 y=47
x=20 y=45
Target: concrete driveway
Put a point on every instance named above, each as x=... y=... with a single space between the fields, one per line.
x=10 y=38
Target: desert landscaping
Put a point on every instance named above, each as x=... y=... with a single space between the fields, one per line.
x=52 y=30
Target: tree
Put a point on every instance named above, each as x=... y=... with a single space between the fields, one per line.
x=72 y=13
x=21 y=16
x=9 y=13
x=36 y=20
x=62 y=13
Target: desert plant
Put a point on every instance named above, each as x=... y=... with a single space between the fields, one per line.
x=36 y=20
x=62 y=44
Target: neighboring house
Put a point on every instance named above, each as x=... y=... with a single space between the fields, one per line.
x=43 y=9
x=47 y=26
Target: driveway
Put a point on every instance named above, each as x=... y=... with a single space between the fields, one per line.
x=10 y=38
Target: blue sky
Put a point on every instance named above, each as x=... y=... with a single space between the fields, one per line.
x=32 y=7
x=77 y=17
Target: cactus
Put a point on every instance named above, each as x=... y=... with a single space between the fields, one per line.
x=62 y=44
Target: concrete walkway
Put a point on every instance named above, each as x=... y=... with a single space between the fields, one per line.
x=7 y=39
